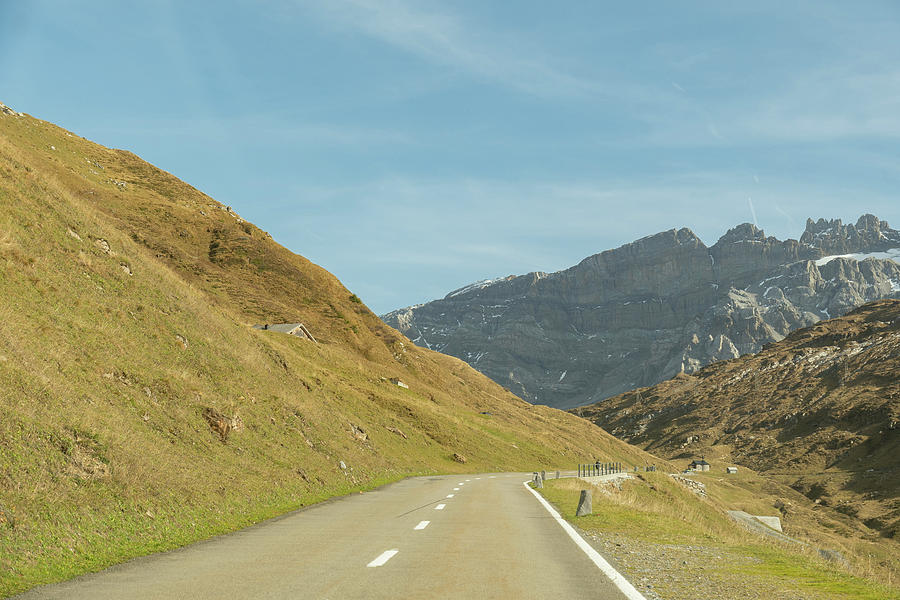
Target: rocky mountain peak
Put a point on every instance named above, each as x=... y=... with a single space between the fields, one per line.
x=663 y=304
x=670 y=238
x=745 y=232
x=869 y=234
x=648 y=246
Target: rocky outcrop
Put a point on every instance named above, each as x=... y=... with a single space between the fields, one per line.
x=5 y=110
x=661 y=305
x=833 y=237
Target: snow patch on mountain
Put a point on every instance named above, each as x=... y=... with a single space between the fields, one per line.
x=478 y=285
x=892 y=254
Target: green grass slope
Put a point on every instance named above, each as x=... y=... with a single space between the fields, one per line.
x=138 y=409
x=672 y=543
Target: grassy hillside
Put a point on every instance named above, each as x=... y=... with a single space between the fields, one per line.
x=141 y=412
x=817 y=411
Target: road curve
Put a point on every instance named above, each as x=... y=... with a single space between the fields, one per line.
x=471 y=536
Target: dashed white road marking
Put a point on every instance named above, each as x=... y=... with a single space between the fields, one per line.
x=461 y=483
x=468 y=480
x=492 y=477
x=477 y=478
x=620 y=582
x=422 y=525
x=383 y=558
x=449 y=495
x=455 y=489
x=440 y=507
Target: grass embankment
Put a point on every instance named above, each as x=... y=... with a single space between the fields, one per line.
x=672 y=542
x=140 y=411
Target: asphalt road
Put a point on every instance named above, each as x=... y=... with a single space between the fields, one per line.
x=472 y=536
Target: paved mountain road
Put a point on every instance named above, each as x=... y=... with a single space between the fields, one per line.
x=418 y=538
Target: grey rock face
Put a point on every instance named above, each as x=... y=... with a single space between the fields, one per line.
x=584 y=504
x=833 y=237
x=664 y=304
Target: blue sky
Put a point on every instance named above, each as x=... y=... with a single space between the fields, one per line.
x=412 y=147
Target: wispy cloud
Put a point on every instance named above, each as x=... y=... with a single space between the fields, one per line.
x=844 y=101
x=465 y=230
x=448 y=39
x=837 y=103
x=752 y=211
x=458 y=216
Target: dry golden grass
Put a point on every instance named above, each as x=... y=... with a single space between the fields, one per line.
x=105 y=375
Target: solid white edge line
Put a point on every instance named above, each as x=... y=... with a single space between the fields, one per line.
x=421 y=525
x=620 y=582
x=440 y=507
x=383 y=558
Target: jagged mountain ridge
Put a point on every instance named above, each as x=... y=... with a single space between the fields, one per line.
x=819 y=411
x=664 y=304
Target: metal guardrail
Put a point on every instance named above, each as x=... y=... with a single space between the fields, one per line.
x=608 y=468
x=599 y=468
x=593 y=469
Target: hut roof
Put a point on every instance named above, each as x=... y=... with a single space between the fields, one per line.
x=298 y=329
x=284 y=327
